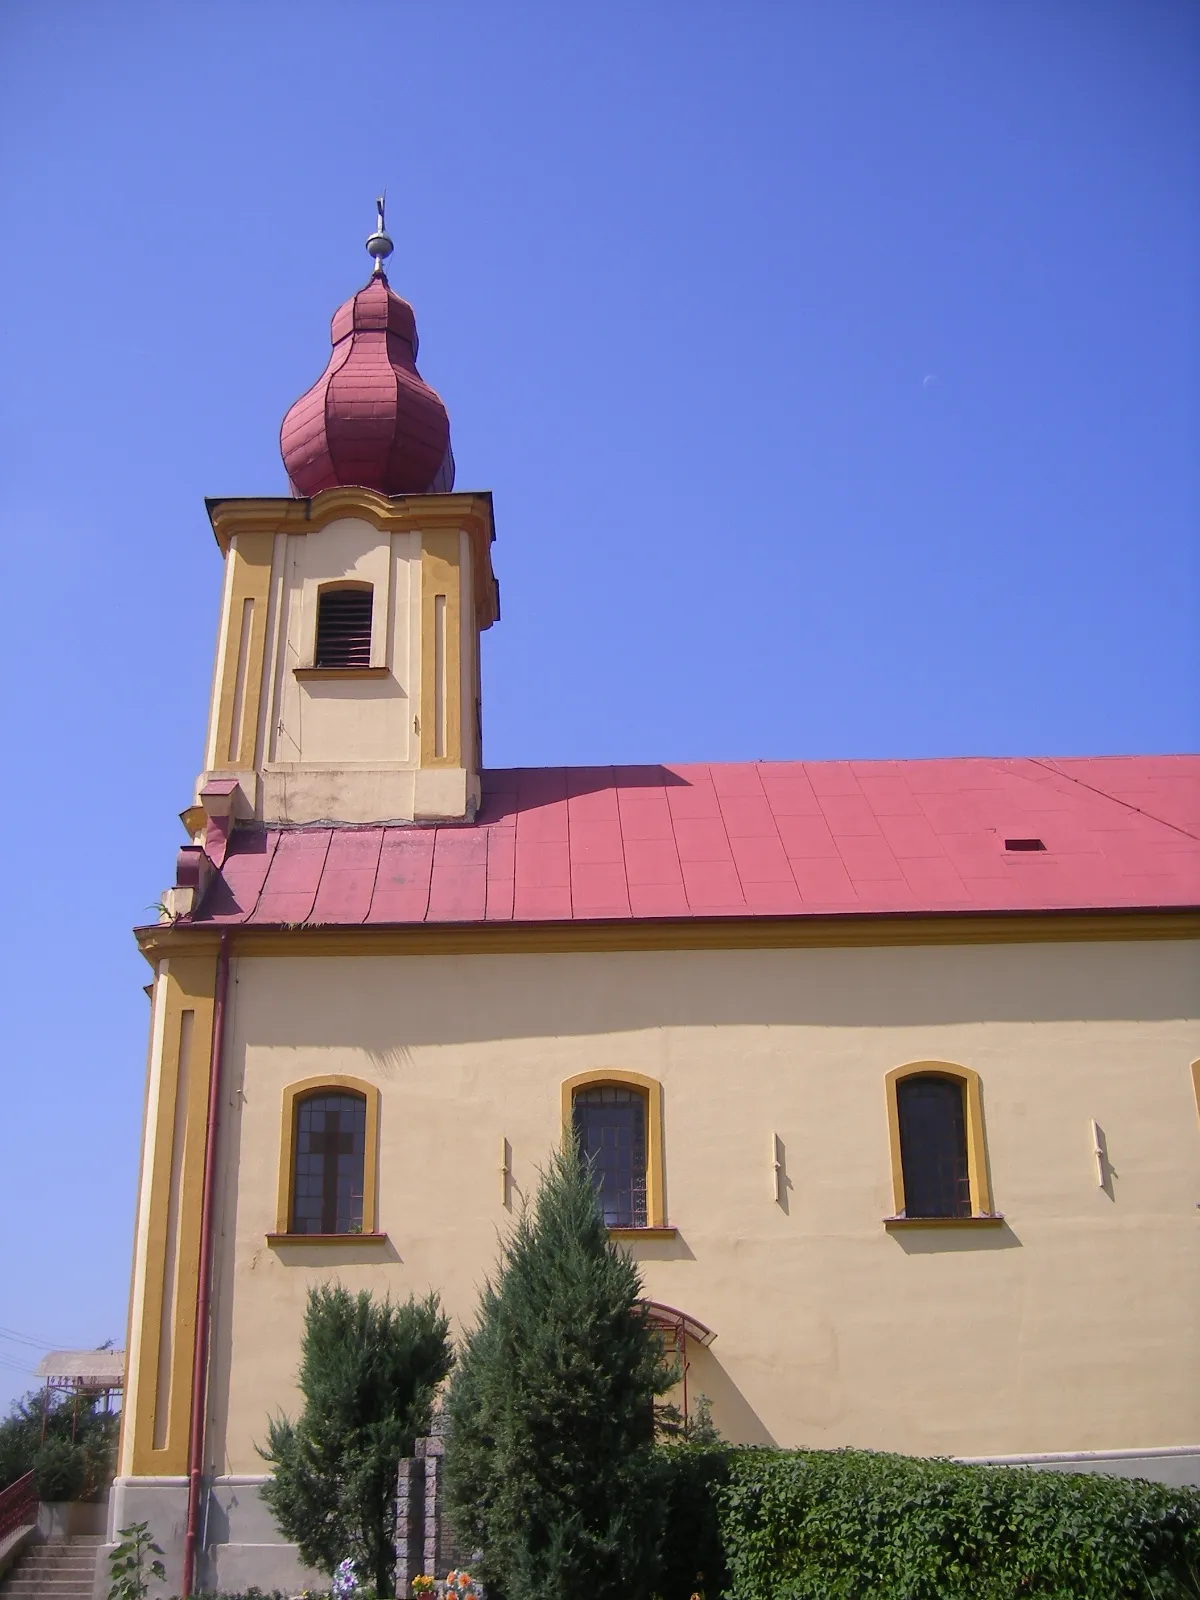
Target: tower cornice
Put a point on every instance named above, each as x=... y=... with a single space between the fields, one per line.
x=471 y=512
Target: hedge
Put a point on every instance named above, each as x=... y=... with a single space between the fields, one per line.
x=691 y=1555
x=877 y=1527
x=854 y=1525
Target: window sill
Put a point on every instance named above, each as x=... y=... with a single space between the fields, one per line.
x=274 y=1239
x=307 y=674
x=642 y=1233
x=993 y=1220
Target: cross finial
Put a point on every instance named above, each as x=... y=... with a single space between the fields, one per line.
x=379 y=245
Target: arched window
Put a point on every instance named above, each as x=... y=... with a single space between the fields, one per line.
x=344 y=626
x=939 y=1163
x=933 y=1147
x=610 y=1124
x=327 y=1160
x=617 y=1119
x=327 y=1175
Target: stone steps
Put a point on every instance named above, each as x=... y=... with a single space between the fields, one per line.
x=61 y=1569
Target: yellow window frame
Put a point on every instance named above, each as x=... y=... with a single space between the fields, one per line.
x=292 y=1095
x=651 y=1091
x=977 y=1167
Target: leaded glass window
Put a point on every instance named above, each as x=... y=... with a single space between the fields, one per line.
x=933 y=1147
x=610 y=1124
x=327 y=1184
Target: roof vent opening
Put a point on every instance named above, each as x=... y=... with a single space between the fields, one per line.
x=344 y=628
x=1023 y=844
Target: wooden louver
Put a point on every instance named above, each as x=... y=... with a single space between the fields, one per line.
x=344 y=628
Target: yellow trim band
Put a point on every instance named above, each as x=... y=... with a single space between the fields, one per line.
x=721 y=933
x=296 y=1092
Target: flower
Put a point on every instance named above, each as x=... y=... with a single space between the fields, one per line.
x=345 y=1580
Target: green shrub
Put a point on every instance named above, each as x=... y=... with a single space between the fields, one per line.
x=59 y=1470
x=77 y=1419
x=551 y=1469
x=368 y=1372
x=852 y=1525
x=134 y=1563
x=690 y=1556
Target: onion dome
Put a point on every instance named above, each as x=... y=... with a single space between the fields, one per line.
x=370 y=419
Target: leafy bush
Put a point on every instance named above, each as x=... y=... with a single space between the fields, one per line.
x=134 y=1563
x=60 y=1415
x=551 y=1469
x=59 y=1471
x=852 y=1525
x=368 y=1372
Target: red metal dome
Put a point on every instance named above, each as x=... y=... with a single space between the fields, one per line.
x=370 y=419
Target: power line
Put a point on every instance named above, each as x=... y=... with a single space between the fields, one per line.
x=36 y=1344
x=13 y=1366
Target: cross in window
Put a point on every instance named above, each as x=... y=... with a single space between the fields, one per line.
x=330 y=1145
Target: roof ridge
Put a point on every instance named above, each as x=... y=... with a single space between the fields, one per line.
x=1050 y=765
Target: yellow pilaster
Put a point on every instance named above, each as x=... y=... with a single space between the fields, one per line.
x=167 y=1245
x=441 y=650
x=240 y=651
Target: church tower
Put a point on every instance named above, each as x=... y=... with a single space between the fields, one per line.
x=346 y=686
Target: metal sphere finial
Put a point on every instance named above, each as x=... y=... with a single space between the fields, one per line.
x=379 y=245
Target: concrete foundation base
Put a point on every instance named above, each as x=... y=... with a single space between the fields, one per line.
x=240 y=1545
x=1176 y=1465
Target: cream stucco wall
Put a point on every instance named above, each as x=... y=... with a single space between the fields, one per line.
x=340 y=723
x=1073 y=1327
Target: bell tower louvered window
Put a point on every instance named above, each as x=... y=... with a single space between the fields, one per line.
x=344 y=628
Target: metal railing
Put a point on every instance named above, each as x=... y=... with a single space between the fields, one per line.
x=18 y=1505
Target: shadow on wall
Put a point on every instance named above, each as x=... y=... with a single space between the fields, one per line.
x=733 y=1415
x=937 y=1241
x=674 y=1248
x=390 y=1005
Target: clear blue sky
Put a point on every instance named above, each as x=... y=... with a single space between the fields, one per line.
x=834 y=368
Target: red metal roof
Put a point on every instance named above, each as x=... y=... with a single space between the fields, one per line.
x=555 y=844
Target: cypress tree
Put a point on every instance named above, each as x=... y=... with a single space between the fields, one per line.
x=368 y=1372
x=550 y=1468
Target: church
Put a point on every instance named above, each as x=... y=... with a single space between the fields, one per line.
x=889 y=1070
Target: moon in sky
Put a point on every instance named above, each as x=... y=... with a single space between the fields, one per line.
x=930 y=377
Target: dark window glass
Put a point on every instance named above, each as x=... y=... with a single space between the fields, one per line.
x=610 y=1125
x=344 y=628
x=327 y=1192
x=933 y=1147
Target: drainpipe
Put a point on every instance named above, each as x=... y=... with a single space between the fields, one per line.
x=204 y=1285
